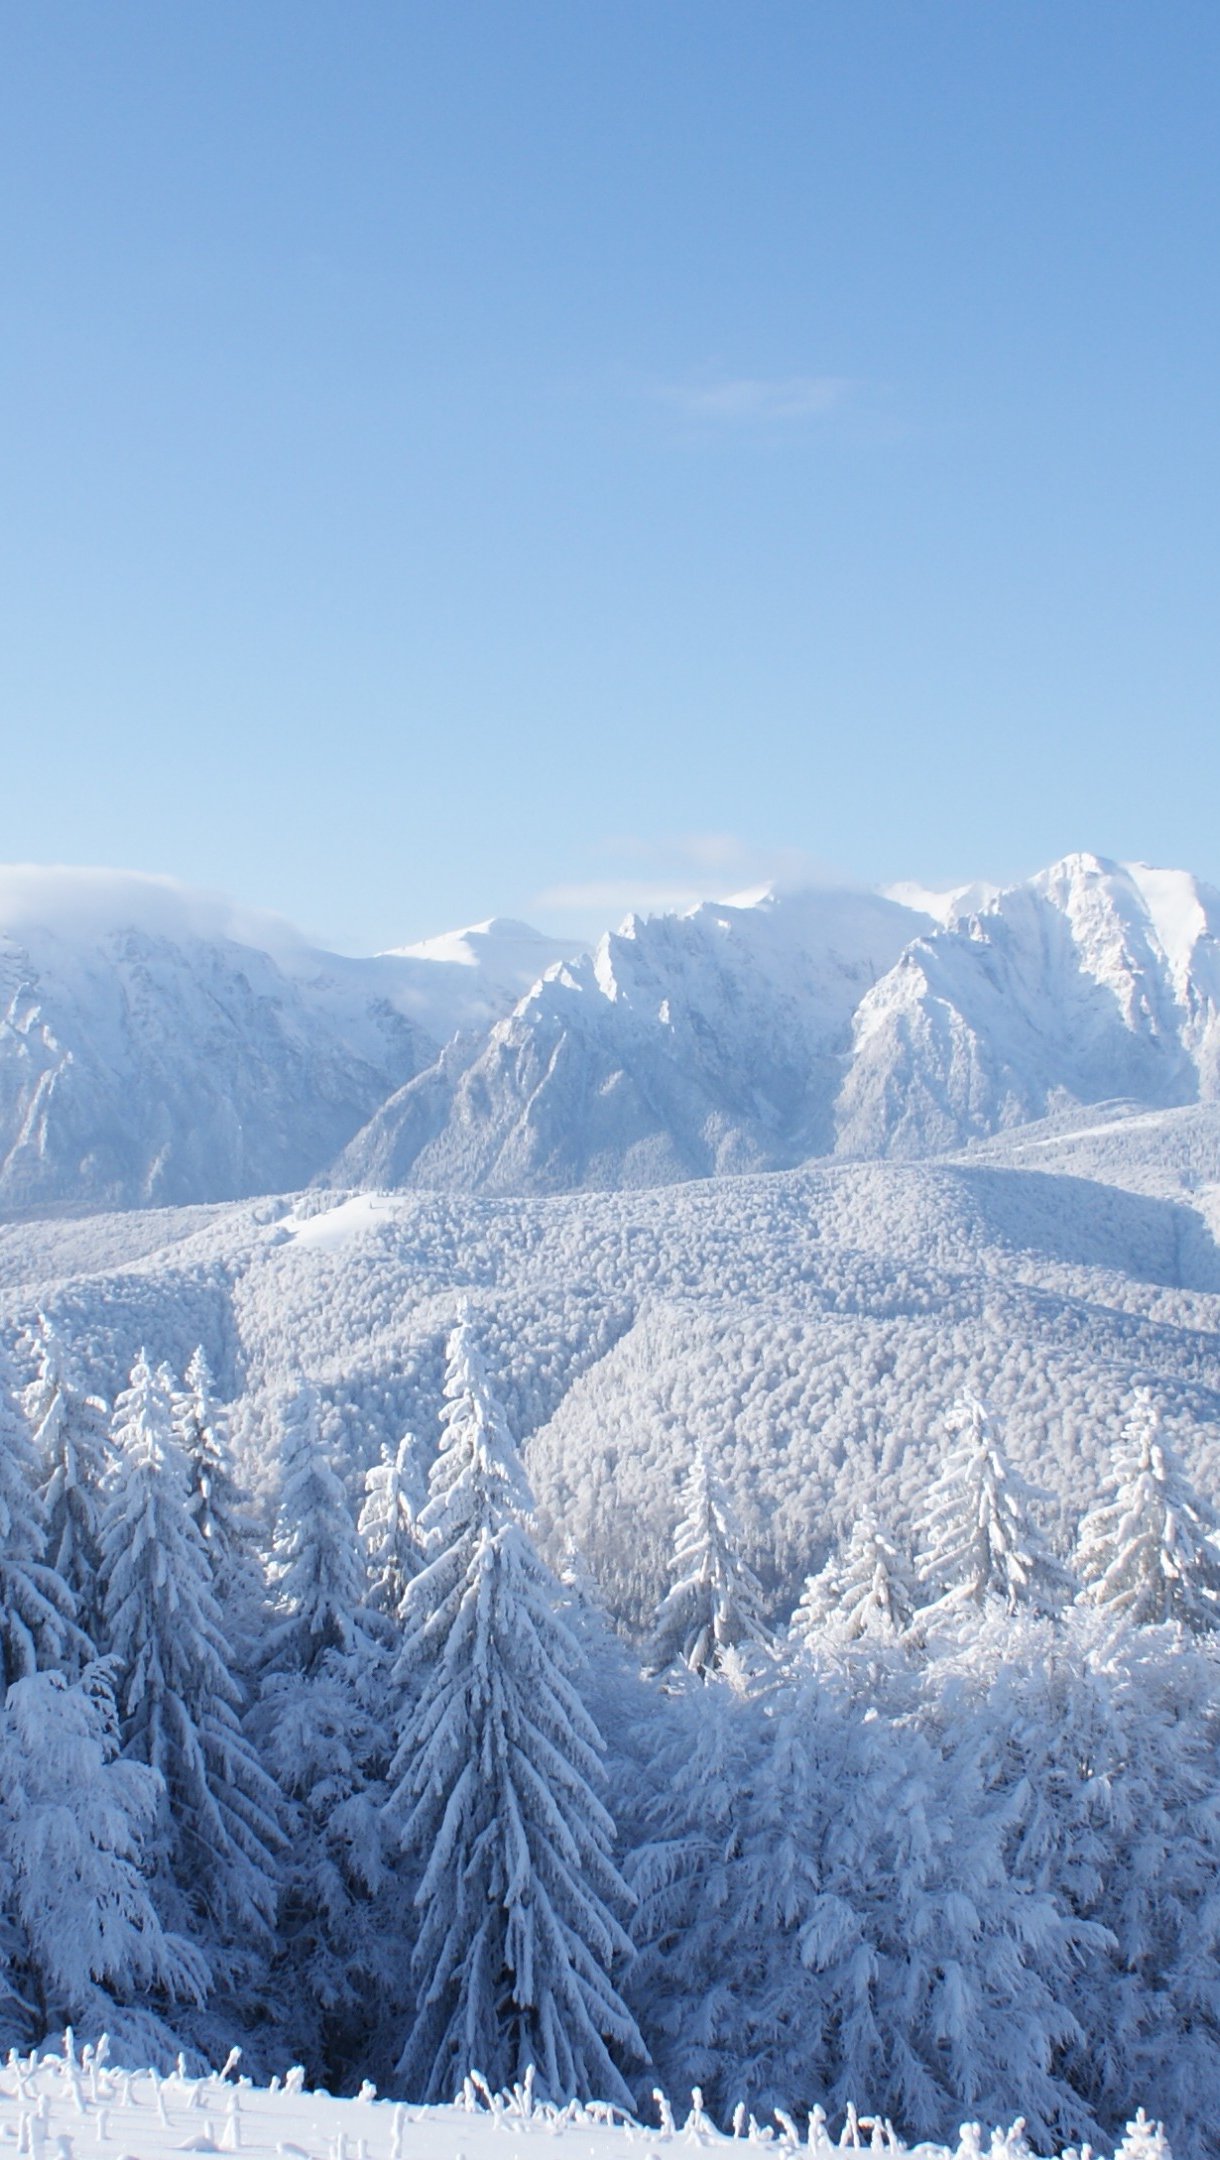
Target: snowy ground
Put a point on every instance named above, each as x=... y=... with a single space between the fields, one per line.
x=65 y=2107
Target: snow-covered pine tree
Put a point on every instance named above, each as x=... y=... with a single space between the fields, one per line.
x=496 y=1792
x=178 y=1701
x=322 y=1721
x=392 y=1501
x=877 y=1594
x=978 y=1542
x=866 y=1590
x=37 y=1623
x=317 y=1559
x=1148 y=1549
x=86 y=1943
x=219 y=1506
x=708 y=1959
x=715 y=1604
x=71 y=1437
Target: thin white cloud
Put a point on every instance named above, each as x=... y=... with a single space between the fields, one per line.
x=614 y=897
x=736 y=400
x=74 y=901
x=665 y=875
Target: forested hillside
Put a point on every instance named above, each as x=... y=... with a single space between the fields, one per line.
x=761 y=1637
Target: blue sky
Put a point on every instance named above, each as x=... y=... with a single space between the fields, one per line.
x=528 y=457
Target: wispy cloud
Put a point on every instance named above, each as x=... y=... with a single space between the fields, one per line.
x=653 y=876
x=755 y=400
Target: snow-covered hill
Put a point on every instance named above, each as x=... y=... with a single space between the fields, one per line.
x=810 y=1329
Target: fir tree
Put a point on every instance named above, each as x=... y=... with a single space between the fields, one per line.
x=979 y=1542
x=715 y=1604
x=71 y=1440
x=1148 y=1549
x=37 y=1627
x=76 y=1827
x=219 y=1506
x=321 y=1718
x=178 y=1700
x=496 y=1791
x=387 y=1526
x=317 y=1561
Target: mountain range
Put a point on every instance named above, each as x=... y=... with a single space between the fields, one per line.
x=157 y=1048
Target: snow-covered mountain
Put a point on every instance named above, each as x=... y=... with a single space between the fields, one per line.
x=684 y=1046
x=154 y=1047
x=1091 y=981
x=755 y=1036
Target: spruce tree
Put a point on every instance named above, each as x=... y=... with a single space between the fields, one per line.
x=178 y=1701
x=317 y=1560
x=864 y=1591
x=220 y=1508
x=715 y=1604
x=71 y=1439
x=37 y=1623
x=979 y=1543
x=496 y=1793
x=322 y=1721
x=387 y=1526
x=86 y=1945
x=1148 y=1549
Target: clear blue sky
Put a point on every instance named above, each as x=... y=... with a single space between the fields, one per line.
x=455 y=455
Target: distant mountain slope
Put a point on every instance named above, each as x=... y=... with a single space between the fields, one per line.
x=1093 y=980
x=153 y=1048
x=685 y=1046
x=754 y=1037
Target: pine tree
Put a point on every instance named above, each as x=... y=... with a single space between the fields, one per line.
x=387 y=1526
x=1148 y=1550
x=321 y=1719
x=71 y=1441
x=317 y=1560
x=710 y=1945
x=495 y=1792
x=37 y=1626
x=863 y=1591
x=979 y=1542
x=217 y=1503
x=715 y=1604
x=178 y=1700
x=86 y=1941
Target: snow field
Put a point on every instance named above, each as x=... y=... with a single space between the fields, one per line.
x=70 y=2106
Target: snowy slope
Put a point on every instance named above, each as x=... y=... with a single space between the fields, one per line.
x=154 y=1047
x=60 y=2103
x=685 y=1046
x=465 y=980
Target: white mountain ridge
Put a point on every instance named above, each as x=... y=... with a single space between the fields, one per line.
x=157 y=1047
x=748 y=1037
